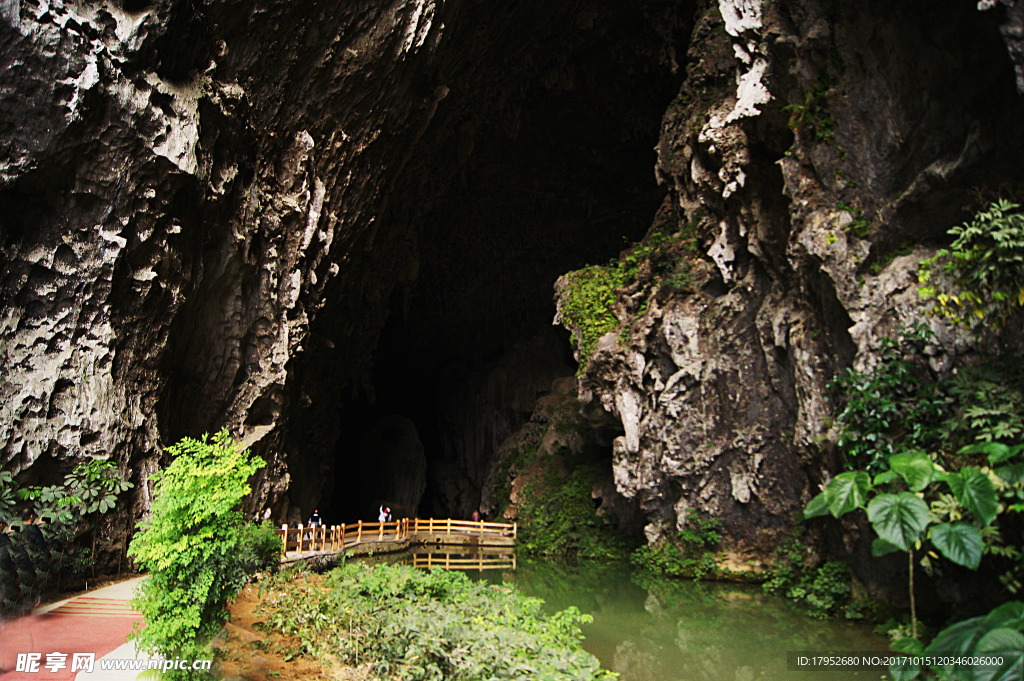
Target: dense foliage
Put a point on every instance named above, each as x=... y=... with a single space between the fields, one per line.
x=689 y=554
x=979 y=279
x=192 y=545
x=557 y=518
x=821 y=591
x=415 y=625
x=937 y=465
x=28 y=572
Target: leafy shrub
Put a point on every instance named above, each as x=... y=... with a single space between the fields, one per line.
x=259 y=549
x=558 y=518
x=980 y=277
x=190 y=545
x=419 y=625
x=821 y=591
x=687 y=556
x=897 y=405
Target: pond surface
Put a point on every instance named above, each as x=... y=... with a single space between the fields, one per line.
x=650 y=629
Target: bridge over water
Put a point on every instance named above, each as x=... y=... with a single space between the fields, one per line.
x=302 y=543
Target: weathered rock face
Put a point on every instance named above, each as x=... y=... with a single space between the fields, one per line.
x=810 y=142
x=208 y=213
x=280 y=217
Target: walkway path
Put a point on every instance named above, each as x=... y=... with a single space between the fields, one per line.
x=95 y=623
x=304 y=543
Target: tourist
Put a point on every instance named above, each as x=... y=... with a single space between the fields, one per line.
x=382 y=516
x=314 y=520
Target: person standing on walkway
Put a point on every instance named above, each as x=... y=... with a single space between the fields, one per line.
x=382 y=516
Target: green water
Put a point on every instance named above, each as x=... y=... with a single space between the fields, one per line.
x=667 y=630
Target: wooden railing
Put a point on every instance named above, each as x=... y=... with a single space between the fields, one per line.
x=471 y=527
x=336 y=538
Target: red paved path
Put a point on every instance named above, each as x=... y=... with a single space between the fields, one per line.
x=97 y=622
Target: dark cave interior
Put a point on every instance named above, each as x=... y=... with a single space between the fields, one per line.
x=506 y=199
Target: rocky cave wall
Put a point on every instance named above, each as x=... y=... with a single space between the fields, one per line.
x=819 y=151
x=209 y=212
x=235 y=214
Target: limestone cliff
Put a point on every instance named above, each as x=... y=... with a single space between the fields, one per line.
x=817 y=151
x=326 y=226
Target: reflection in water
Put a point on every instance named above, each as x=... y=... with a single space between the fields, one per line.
x=493 y=558
x=653 y=629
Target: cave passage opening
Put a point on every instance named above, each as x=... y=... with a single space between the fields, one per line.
x=506 y=194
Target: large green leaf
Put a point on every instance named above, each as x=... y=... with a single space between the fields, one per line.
x=885 y=477
x=1009 y=614
x=908 y=671
x=847 y=491
x=880 y=547
x=914 y=467
x=960 y=542
x=976 y=492
x=1012 y=473
x=959 y=638
x=899 y=519
x=997 y=632
x=1006 y=644
x=996 y=452
x=816 y=506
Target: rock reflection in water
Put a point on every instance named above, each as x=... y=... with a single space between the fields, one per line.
x=649 y=629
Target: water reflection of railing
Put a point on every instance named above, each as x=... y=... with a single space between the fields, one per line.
x=463 y=561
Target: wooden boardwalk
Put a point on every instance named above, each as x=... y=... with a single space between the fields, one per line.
x=302 y=543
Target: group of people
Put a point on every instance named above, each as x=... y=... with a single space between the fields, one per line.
x=25 y=563
x=383 y=515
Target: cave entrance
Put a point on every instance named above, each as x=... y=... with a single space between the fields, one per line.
x=538 y=161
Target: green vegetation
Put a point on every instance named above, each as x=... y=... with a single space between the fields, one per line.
x=428 y=625
x=979 y=279
x=812 y=114
x=193 y=546
x=587 y=307
x=587 y=310
x=88 y=492
x=858 y=226
x=688 y=555
x=899 y=404
x=936 y=463
x=557 y=518
x=822 y=591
